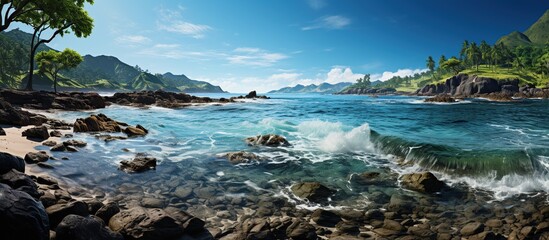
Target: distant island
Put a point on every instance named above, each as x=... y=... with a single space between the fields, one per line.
x=97 y=73
x=518 y=58
x=326 y=88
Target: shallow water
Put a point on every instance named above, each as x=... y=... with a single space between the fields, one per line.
x=500 y=149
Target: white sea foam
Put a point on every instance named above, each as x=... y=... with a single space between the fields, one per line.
x=358 y=139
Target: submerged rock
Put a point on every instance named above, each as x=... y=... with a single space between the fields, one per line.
x=241 y=157
x=423 y=182
x=38 y=133
x=443 y=98
x=21 y=217
x=313 y=191
x=74 y=227
x=109 y=138
x=270 y=140
x=140 y=163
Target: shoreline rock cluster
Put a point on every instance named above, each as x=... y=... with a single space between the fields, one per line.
x=368 y=91
x=463 y=85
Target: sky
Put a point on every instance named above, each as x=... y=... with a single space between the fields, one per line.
x=244 y=45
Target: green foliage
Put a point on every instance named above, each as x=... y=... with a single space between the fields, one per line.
x=538 y=33
x=515 y=39
x=11 y=62
x=52 y=62
x=453 y=64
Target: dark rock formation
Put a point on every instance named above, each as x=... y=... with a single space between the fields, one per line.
x=74 y=227
x=38 y=133
x=57 y=212
x=36 y=157
x=12 y=116
x=136 y=131
x=250 y=95
x=75 y=143
x=270 y=140
x=9 y=162
x=301 y=230
x=313 y=191
x=49 y=100
x=325 y=218
x=422 y=182
x=444 y=98
x=2 y=132
x=107 y=211
x=145 y=224
x=21 y=217
x=97 y=123
x=241 y=157
x=140 y=163
x=159 y=98
x=20 y=182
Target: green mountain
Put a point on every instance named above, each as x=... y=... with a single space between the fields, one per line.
x=539 y=32
x=515 y=39
x=106 y=73
x=321 y=88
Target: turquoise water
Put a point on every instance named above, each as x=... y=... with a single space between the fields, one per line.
x=499 y=148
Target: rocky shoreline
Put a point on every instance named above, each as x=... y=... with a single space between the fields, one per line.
x=189 y=206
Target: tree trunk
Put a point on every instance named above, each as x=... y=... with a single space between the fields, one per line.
x=55 y=83
x=31 y=64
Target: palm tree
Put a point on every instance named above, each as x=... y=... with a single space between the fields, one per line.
x=496 y=55
x=441 y=60
x=431 y=65
x=463 y=52
x=485 y=50
x=474 y=54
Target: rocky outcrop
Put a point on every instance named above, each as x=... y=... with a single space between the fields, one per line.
x=360 y=91
x=443 y=98
x=313 y=191
x=423 y=182
x=241 y=157
x=74 y=227
x=36 y=157
x=250 y=95
x=270 y=140
x=39 y=133
x=50 y=100
x=21 y=216
x=14 y=116
x=145 y=224
x=140 y=163
x=57 y=212
x=102 y=123
x=159 y=98
x=463 y=85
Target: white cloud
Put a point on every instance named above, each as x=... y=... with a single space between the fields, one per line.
x=174 y=51
x=133 y=39
x=400 y=72
x=340 y=74
x=329 y=22
x=316 y=4
x=171 y=21
x=254 y=57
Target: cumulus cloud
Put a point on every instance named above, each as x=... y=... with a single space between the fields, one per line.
x=340 y=74
x=329 y=22
x=254 y=57
x=400 y=72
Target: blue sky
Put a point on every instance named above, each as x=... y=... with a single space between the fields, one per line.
x=243 y=45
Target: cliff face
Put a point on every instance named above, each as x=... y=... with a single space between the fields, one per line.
x=464 y=85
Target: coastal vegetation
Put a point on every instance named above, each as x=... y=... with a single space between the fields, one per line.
x=522 y=56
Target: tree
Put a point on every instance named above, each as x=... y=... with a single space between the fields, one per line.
x=453 y=64
x=474 y=54
x=366 y=80
x=463 y=51
x=11 y=10
x=52 y=62
x=59 y=16
x=431 y=65
x=485 y=51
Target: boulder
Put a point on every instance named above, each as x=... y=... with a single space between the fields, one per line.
x=38 y=133
x=56 y=133
x=190 y=223
x=471 y=229
x=252 y=94
x=75 y=143
x=423 y=182
x=140 y=163
x=301 y=230
x=270 y=140
x=58 y=148
x=36 y=157
x=75 y=227
x=135 y=131
x=241 y=157
x=2 y=132
x=107 y=211
x=145 y=224
x=49 y=143
x=441 y=98
x=313 y=191
x=21 y=182
x=97 y=123
x=9 y=162
x=325 y=218
x=57 y=212
x=21 y=217
x=12 y=116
